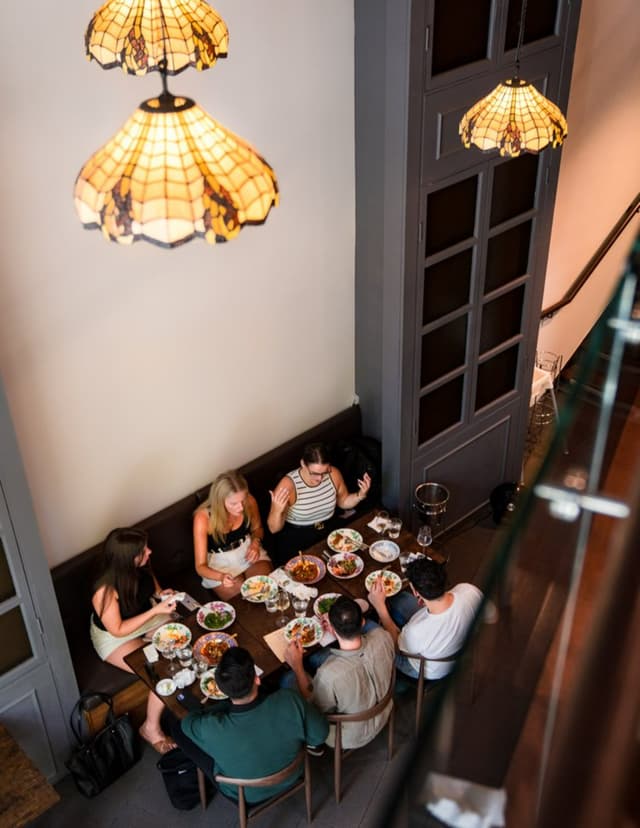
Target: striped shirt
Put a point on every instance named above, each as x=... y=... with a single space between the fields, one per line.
x=313 y=503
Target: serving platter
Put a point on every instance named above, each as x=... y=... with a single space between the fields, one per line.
x=212 y=646
x=172 y=636
x=216 y=615
x=258 y=589
x=345 y=565
x=392 y=582
x=344 y=540
x=306 y=569
x=308 y=631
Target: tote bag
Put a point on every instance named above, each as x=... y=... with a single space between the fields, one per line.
x=96 y=762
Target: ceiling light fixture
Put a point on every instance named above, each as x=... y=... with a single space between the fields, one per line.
x=139 y=35
x=172 y=173
x=514 y=117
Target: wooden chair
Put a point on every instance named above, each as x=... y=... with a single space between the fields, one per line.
x=339 y=719
x=421 y=686
x=247 y=813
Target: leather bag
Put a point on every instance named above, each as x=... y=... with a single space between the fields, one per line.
x=96 y=762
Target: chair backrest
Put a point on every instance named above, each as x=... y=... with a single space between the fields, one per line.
x=266 y=781
x=371 y=712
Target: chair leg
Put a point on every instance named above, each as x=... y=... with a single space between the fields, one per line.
x=202 y=789
x=307 y=786
x=419 y=699
x=242 y=807
x=337 y=763
x=390 y=726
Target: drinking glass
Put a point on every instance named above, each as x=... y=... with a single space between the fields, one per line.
x=394 y=527
x=424 y=537
x=403 y=560
x=169 y=652
x=200 y=667
x=299 y=606
x=185 y=656
x=283 y=605
x=383 y=517
x=271 y=604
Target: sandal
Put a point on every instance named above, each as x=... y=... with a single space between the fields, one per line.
x=163 y=746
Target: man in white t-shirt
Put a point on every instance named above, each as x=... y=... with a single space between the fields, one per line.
x=439 y=626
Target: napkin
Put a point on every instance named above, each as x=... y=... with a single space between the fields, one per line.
x=276 y=643
x=284 y=580
x=378 y=524
x=464 y=804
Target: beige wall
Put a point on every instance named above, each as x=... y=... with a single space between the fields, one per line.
x=600 y=169
x=136 y=374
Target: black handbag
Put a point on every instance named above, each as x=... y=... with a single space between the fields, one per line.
x=180 y=777
x=96 y=762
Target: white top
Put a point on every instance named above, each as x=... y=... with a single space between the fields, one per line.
x=437 y=635
x=313 y=503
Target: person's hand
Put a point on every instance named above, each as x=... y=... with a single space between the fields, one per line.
x=293 y=654
x=280 y=499
x=377 y=595
x=364 y=484
x=253 y=552
x=229 y=581
x=166 y=606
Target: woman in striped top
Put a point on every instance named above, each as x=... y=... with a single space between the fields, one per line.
x=304 y=501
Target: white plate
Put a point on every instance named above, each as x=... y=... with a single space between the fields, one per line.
x=392 y=582
x=320 y=598
x=176 y=635
x=384 y=551
x=218 y=607
x=213 y=692
x=311 y=628
x=333 y=564
x=344 y=540
x=165 y=687
x=258 y=588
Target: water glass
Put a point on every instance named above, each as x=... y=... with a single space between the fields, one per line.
x=403 y=560
x=185 y=656
x=271 y=604
x=424 y=537
x=394 y=528
x=383 y=518
x=300 y=606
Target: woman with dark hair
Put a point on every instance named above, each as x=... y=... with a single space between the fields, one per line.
x=304 y=501
x=123 y=613
x=227 y=535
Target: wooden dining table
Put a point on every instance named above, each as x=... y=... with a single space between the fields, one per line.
x=253 y=622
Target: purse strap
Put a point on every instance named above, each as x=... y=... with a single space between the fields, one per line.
x=77 y=720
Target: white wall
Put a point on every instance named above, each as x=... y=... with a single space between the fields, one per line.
x=136 y=374
x=600 y=168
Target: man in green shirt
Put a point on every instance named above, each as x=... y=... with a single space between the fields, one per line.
x=252 y=734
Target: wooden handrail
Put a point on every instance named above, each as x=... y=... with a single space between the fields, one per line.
x=595 y=260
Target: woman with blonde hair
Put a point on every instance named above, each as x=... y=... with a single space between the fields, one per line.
x=227 y=535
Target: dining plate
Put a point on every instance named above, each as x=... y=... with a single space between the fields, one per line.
x=258 y=588
x=323 y=603
x=345 y=565
x=165 y=687
x=384 y=551
x=344 y=540
x=308 y=631
x=171 y=635
x=306 y=569
x=209 y=686
x=216 y=615
x=392 y=582
x=212 y=646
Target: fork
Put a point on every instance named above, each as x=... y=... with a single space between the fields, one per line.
x=358 y=545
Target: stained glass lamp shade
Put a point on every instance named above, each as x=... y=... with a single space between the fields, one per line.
x=172 y=173
x=139 y=34
x=513 y=118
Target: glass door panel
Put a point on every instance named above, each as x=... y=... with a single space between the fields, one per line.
x=496 y=377
x=446 y=286
x=451 y=215
x=540 y=21
x=16 y=648
x=507 y=256
x=460 y=33
x=501 y=320
x=443 y=350
x=7 y=587
x=440 y=409
x=514 y=188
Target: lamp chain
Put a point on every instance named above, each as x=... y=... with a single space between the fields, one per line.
x=523 y=15
x=163 y=64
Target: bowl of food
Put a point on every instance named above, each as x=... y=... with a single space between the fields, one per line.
x=306 y=569
x=209 y=686
x=391 y=582
x=211 y=647
x=216 y=615
x=258 y=589
x=384 y=551
x=345 y=565
x=344 y=540
x=308 y=631
x=323 y=603
x=171 y=636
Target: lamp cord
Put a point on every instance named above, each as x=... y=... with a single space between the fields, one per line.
x=163 y=64
x=523 y=15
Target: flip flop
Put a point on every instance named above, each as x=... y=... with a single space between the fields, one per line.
x=163 y=746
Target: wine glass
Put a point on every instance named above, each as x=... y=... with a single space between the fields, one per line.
x=424 y=537
x=169 y=652
x=283 y=604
